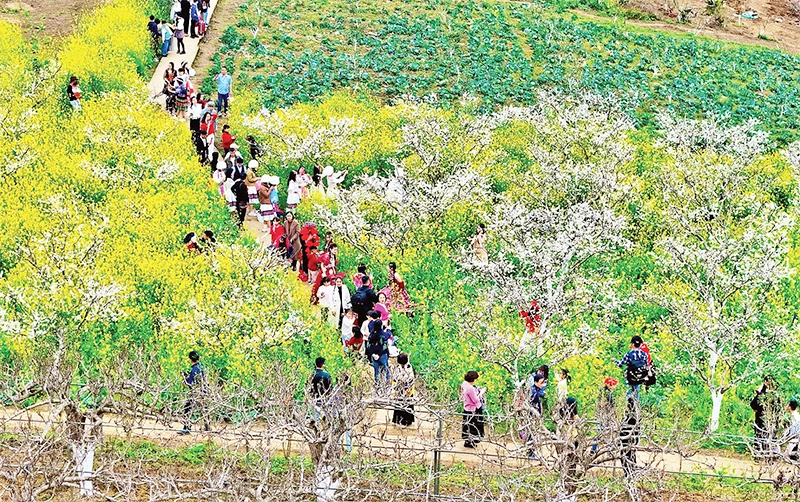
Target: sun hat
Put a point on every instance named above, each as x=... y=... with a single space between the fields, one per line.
x=221 y=166
x=234 y=146
x=253 y=164
x=327 y=171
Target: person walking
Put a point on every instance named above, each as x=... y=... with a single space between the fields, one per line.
x=293 y=245
x=242 y=200
x=378 y=354
x=364 y=300
x=194 y=12
x=320 y=386
x=635 y=363
x=179 y=33
x=472 y=427
x=224 y=89
x=403 y=388
x=339 y=303
x=194 y=379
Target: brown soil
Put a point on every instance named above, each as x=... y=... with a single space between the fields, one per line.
x=45 y=19
x=224 y=16
x=777 y=26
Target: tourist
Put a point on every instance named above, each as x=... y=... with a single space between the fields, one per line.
x=292 y=191
x=767 y=407
x=266 y=210
x=397 y=298
x=186 y=14
x=239 y=189
x=403 y=389
x=472 y=397
x=293 y=246
x=319 y=386
x=228 y=139
x=348 y=322
x=378 y=354
x=251 y=181
x=152 y=28
x=175 y=11
x=255 y=149
x=359 y=278
x=606 y=413
x=537 y=393
x=339 y=304
x=562 y=388
x=380 y=307
x=325 y=297
x=74 y=93
x=303 y=180
x=207 y=241
x=312 y=264
x=635 y=363
x=179 y=33
x=194 y=112
x=224 y=89
x=170 y=74
x=792 y=435
x=195 y=381
x=181 y=96
x=166 y=38
x=238 y=171
x=191 y=243
x=356 y=341
x=363 y=300
x=478 y=242
x=194 y=14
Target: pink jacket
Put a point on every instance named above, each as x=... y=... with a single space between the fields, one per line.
x=471 y=397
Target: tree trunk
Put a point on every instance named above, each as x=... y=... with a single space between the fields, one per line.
x=83 y=455
x=716 y=406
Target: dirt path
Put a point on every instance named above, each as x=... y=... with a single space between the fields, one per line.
x=784 y=35
x=377 y=432
x=192 y=46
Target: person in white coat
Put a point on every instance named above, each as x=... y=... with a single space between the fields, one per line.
x=339 y=303
x=325 y=296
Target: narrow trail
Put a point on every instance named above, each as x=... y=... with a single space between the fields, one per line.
x=192 y=46
x=379 y=431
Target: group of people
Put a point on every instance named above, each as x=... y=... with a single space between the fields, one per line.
x=530 y=399
x=186 y=16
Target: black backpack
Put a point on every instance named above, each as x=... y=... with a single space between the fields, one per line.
x=358 y=301
x=636 y=375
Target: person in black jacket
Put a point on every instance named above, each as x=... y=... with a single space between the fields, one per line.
x=768 y=410
x=239 y=189
x=363 y=300
x=186 y=13
x=378 y=354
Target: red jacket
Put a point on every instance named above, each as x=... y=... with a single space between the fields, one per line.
x=227 y=140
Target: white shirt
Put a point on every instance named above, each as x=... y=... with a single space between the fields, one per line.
x=293 y=195
x=325 y=295
x=195 y=111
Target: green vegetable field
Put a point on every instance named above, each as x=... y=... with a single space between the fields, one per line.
x=503 y=52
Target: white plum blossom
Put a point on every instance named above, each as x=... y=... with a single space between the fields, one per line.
x=725 y=250
x=714 y=134
x=308 y=142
